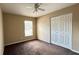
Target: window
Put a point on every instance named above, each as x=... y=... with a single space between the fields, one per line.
x=28 y=28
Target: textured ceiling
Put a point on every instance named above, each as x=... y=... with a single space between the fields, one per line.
x=26 y=9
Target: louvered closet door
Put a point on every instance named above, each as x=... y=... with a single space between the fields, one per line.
x=61 y=30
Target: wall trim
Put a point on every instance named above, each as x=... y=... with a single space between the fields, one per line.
x=74 y=51
x=63 y=47
x=17 y=42
x=34 y=39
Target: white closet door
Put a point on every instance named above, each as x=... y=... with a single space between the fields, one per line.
x=61 y=30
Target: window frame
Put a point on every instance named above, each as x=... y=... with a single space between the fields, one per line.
x=24 y=28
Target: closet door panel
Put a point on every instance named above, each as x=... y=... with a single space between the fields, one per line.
x=61 y=30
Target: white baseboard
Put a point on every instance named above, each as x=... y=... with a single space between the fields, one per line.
x=74 y=51
x=65 y=47
x=32 y=39
x=17 y=42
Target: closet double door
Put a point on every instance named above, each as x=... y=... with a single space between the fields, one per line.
x=61 y=30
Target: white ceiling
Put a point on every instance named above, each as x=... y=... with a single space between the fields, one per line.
x=26 y=9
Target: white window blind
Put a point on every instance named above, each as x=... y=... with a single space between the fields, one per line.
x=28 y=28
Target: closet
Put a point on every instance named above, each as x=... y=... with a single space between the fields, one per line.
x=61 y=30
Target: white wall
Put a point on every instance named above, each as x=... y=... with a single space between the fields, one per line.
x=1 y=34
x=43 y=29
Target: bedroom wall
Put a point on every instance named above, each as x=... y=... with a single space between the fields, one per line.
x=43 y=28
x=43 y=25
x=1 y=34
x=14 y=28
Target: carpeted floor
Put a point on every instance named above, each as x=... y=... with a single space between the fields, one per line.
x=36 y=47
